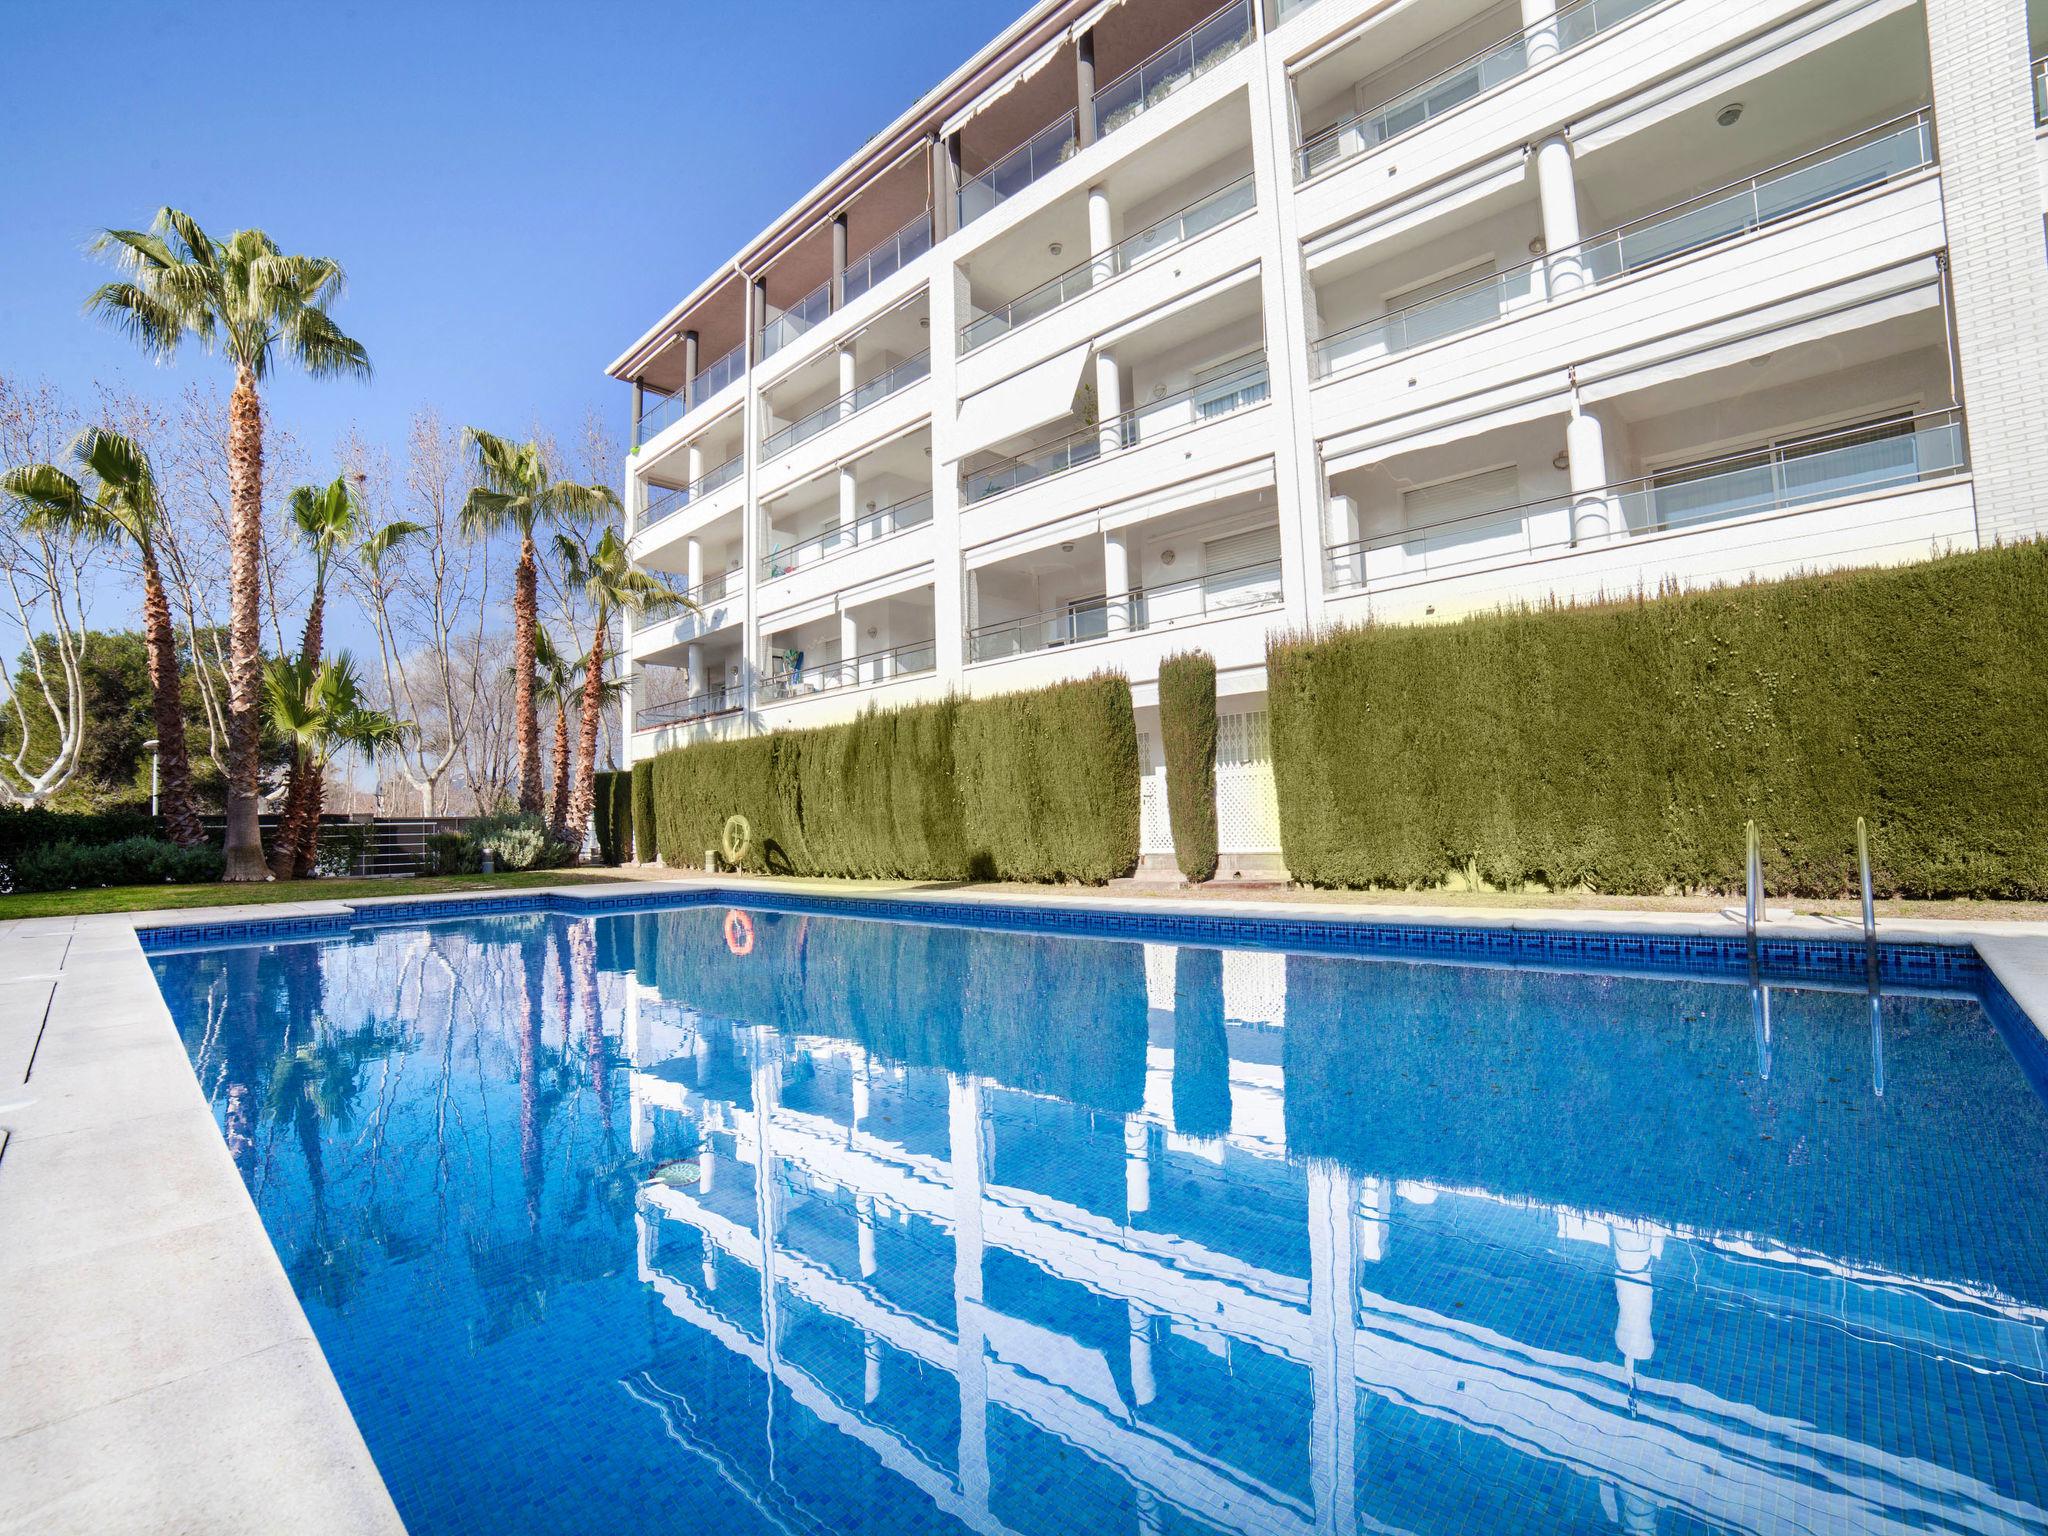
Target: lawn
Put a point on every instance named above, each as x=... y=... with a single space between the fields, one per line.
x=152 y=898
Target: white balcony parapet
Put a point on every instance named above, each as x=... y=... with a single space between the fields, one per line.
x=899 y=517
x=1842 y=169
x=708 y=382
x=852 y=403
x=1785 y=475
x=889 y=257
x=792 y=322
x=1198 y=218
x=674 y=499
x=1241 y=383
x=1352 y=136
x=1193 y=54
x=701 y=706
x=1051 y=146
x=1240 y=589
x=795 y=680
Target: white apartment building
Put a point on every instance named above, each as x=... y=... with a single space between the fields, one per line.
x=1161 y=326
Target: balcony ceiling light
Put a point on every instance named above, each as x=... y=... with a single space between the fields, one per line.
x=1729 y=115
x=1054 y=249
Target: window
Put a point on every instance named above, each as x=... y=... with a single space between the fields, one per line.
x=1241 y=569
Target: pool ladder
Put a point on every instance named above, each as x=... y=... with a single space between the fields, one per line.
x=1760 y=992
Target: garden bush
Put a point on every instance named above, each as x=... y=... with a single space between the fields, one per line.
x=603 y=812
x=1187 y=737
x=1026 y=786
x=451 y=853
x=24 y=829
x=517 y=840
x=645 y=847
x=622 y=815
x=1621 y=747
x=68 y=865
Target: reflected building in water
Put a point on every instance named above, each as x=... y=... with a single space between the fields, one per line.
x=1048 y=1235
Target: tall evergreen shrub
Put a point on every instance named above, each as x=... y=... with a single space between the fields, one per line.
x=1622 y=746
x=1187 y=737
x=622 y=815
x=645 y=844
x=602 y=825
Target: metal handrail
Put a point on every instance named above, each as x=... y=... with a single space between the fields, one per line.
x=718 y=373
x=699 y=706
x=1127 y=612
x=675 y=498
x=852 y=403
x=1939 y=450
x=1753 y=883
x=712 y=589
x=1153 y=85
x=1606 y=255
x=899 y=517
x=1055 y=143
x=1226 y=203
x=1246 y=385
x=707 y=382
x=1510 y=55
x=874 y=265
x=908 y=660
x=801 y=316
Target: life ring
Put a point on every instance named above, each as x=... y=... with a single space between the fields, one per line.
x=739 y=932
x=735 y=839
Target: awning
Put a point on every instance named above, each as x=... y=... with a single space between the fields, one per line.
x=1021 y=403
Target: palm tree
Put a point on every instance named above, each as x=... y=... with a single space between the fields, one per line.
x=554 y=683
x=518 y=491
x=246 y=298
x=326 y=517
x=320 y=710
x=613 y=587
x=122 y=505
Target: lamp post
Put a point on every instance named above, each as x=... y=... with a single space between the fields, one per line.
x=150 y=746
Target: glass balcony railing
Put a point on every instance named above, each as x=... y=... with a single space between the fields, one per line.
x=890 y=257
x=1572 y=25
x=879 y=524
x=1050 y=146
x=798 y=680
x=713 y=590
x=1782 y=476
x=709 y=381
x=1211 y=595
x=1234 y=387
x=701 y=706
x=1218 y=208
x=1192 y=54
x=852 y=403
x=2041 y=90
x=666 y=500
x=1848 y=166
x=1284 y=9
x=792 y=322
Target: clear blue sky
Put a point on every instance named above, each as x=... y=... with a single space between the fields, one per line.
x=517 y=190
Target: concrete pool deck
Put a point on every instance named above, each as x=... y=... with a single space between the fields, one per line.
x=156 y=1370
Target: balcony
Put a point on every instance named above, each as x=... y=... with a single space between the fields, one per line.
x=1784 y=475
x=1053 y=145
x=701 y=706
x=1868 y=159
x=708 y=382
x=1189 y=56
x=890 y=257
x=788 y=682
x=1423 y=102
x=1232 y=387
x=914 y=512
x=1210 y=212
x=906 y=373
x=787 y=325
x=2041 y=90
x=664 y=501
x=1214 y=594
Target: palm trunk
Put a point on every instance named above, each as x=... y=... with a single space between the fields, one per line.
x=558 y=814
x=167 y=707
x=244 y=849
x=306 y=845
x=593 y=717
x=525 y=618
x=285 y=848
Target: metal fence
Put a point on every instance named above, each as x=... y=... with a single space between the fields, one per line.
x=363 y=845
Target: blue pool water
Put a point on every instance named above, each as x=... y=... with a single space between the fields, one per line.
x=687 y=1221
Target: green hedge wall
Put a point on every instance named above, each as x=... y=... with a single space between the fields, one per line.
x=1621 y=747
x=611 y=814
x=1035 y=786
x=642 y=796
x=1187 y=737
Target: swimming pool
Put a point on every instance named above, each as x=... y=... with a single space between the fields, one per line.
x=748 y=1220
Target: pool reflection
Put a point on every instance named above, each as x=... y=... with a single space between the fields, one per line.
x=882 y=1227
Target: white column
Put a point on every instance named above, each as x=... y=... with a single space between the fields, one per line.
x=1143 y=1387
x=1340 y=517
x=693 y=563
x=1101 y=234
x=1116 y=578
x=1558 y=194
x=693 y=669
x=1596 y=514
x=1137 y=1167
x=693 y=463
x=847 y=379
x=849 y=496
x=864 y=1215
x=849 y=641
x=1539 y=29
x=1633 y=1337
x=707 y=1170
x=1109 y=401
x=871 y=1369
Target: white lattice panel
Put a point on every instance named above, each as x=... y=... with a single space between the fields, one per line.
x=1155 y=828
x=1247 y=811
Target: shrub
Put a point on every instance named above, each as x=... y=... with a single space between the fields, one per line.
x=1622 y=746
x=1187 y=736
x=24 y=829
x=644 y=842
x=450 y=853
x=622 y=815
x=64 y=865
x=603 y=827
x=517 y=840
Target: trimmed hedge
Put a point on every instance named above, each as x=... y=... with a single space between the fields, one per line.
x=611 y=816
x=1621 y=747
x=642 y=797
x=1036 y=786
x=1187 y=738
x=23 y=831
x=67 y=865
